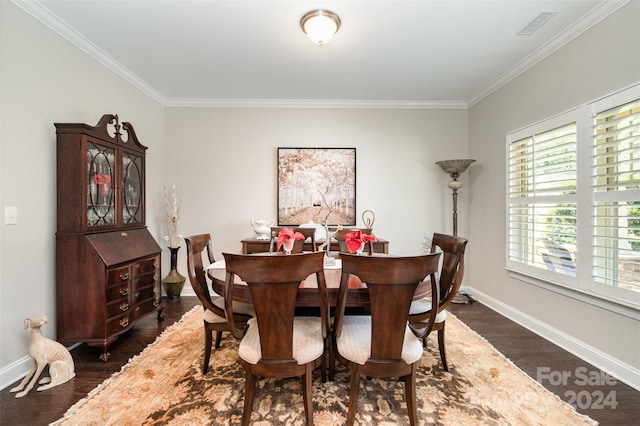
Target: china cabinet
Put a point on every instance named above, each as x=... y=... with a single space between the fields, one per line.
x=107 y=263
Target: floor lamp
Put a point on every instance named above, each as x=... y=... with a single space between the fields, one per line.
x=455 y=168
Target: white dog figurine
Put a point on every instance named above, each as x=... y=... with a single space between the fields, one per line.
x=45 y=351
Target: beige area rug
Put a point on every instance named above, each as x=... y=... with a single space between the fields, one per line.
x=164 y=386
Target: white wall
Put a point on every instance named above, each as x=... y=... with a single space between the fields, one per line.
x=44 y=79
x=599 y=62
x=226 y=164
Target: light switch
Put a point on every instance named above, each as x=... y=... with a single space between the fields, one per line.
x=11 y=215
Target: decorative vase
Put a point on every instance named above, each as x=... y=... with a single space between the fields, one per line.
x=173 y=282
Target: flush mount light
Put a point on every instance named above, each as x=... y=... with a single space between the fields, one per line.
x=320 y=25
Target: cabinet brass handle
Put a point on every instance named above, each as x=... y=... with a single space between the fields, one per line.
x=137 y=266
x=137 y=308
x=137 y=294
x=124 y=322
x=124 y=291
x=124 y=234
x=124 y=276
x=156 y=303
x=155 y=264
x=124 y=306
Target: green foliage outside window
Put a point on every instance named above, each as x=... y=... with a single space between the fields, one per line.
x=561 y=225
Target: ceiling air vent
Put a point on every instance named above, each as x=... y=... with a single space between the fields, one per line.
x=537 y=22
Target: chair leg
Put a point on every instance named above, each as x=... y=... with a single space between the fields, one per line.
x=323 y=367
x=208 y=338
x=332 y=361
x=249 y=393
x=443 y=354
x=218 y=338
x=410 y=394
x=354 y=388
x=307 y=395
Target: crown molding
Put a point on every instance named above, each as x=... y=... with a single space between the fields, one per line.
x=597 y=14
x=312 y=103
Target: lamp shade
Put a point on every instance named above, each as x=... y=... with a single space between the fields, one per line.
x=320 y=25
x=454 y=167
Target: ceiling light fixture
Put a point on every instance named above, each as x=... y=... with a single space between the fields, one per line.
x=320 y=25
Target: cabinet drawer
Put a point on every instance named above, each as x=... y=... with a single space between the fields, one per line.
x=119 y=291
x=118 y=308
x=143 y=308
x=143 y=294
x=118 y=276
x=145 y=280
x=119 y=324
x=147 y=266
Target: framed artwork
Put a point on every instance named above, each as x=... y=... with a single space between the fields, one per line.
x=316 y=184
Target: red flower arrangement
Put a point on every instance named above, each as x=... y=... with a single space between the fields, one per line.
x=356 y=240
x=103 y=181
x=287 y=237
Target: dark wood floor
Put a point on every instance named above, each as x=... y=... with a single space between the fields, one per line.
x=524 y=348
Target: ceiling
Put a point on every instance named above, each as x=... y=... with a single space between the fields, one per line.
x=403 y=54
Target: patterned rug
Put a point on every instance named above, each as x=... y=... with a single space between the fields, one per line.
x=164 y=386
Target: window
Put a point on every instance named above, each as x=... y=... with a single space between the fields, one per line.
x=573 y=188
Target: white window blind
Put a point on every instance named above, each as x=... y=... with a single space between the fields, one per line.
x=616 y=187
x=573 y=199
x=542 y=199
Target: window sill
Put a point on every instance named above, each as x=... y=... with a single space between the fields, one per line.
x=622 y=307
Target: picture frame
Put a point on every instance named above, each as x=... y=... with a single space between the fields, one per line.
x=318 y=185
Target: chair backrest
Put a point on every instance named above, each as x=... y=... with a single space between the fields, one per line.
x=452 y=269
x=298 y=246
x=196 y=247
x=273 y=281
x=342 y=245
x=391 y=282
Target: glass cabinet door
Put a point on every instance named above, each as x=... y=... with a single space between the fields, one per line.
x=100 y=185
x=132 y=196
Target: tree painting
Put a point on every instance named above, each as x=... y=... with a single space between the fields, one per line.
x=316 y=184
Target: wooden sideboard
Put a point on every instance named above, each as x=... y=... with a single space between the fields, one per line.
x=253 y=245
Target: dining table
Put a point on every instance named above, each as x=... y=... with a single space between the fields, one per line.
x=308 y=295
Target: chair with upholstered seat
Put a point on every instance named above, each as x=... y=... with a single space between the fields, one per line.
x=450 y=279
x=277 y=343
x=214 y=310
x=309 y=234
x=381 y=344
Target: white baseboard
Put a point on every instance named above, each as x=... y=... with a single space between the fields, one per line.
x=612 y=366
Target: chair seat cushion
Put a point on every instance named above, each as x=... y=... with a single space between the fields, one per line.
x=238 y=307
x=308 y=344
x=424 y=305
x=212 y=317
x=354 y=343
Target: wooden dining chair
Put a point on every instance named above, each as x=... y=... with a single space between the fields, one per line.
x=339 y=234
x=214 y=316
x=450 y=279
x=298 y=246
x=285 y=345
x=381 y=344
